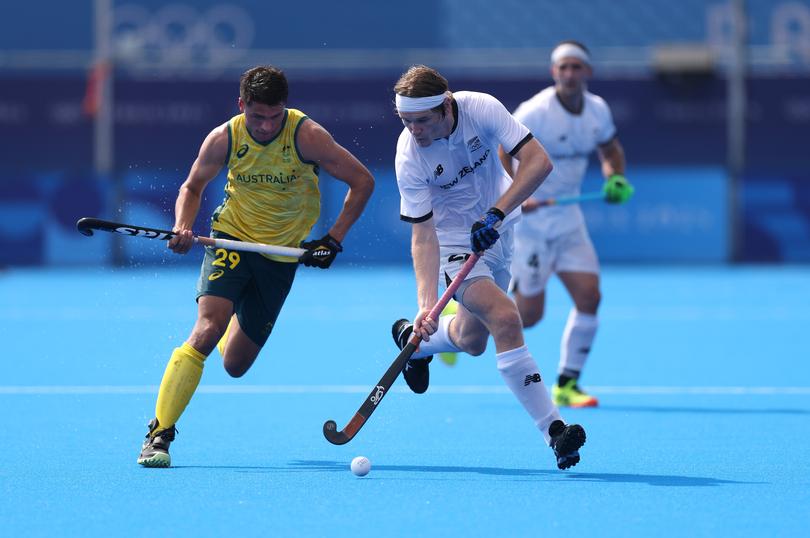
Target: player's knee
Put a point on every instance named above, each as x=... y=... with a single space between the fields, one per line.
x=531 y=309
x=211 y=332
x=531 y=318
x=507 y=324
x=206 y=334
x=235 y=369
x=238 y=362
x=476 y=347
x=508 y=318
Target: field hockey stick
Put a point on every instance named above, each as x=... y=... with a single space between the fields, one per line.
x=567 y=200
x=372 y=401
x=87 y=226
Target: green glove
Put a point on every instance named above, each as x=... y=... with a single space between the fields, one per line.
x=617 y=189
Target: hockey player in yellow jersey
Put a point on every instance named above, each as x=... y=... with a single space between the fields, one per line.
x=273 y=155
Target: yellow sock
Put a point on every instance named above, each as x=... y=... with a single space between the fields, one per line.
x=179 y=382
x=449 y=358
x=224 y=339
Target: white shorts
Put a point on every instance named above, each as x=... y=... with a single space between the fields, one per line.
x=494 y=264
x=537 y=257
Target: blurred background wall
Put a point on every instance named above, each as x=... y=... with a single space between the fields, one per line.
x=103 y=106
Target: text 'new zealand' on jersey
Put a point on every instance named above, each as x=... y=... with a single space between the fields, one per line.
x=456 y=179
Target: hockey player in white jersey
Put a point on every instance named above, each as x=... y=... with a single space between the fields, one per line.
x=460 y=200
x=571 y=123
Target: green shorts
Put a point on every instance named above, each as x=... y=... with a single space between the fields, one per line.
x=256 y=285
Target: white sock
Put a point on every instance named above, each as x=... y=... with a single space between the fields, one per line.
x=439 y=341
x=518 y=369
x=577 y=340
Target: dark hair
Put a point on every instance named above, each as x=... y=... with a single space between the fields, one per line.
x=422 y=81
x=573 y=42
x=263 y=84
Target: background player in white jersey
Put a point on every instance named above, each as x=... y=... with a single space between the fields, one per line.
x=456 y=193
x=571 y=123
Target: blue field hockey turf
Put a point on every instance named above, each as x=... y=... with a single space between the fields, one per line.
x=702 y=374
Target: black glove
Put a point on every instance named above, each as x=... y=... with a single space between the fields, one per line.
x=483 y=233
x=320 y=252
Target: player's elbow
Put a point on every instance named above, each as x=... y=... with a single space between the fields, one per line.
x=542 y=168
x=546 y=166
x=369 y=184
x=190 y=189
x=364 y=186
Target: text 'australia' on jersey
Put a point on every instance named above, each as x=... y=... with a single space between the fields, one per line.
x=272 y=194
x=457 y=179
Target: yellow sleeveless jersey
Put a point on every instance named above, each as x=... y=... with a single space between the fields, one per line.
x=272 y=194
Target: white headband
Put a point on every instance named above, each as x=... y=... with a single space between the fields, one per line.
x=569 y=50
x=419 y=104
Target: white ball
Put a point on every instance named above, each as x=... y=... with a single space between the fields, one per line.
x=361 y=466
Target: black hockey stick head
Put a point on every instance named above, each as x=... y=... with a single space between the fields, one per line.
x=88 y=225
x=341 y=437
x=332 y=434
x=85 y=226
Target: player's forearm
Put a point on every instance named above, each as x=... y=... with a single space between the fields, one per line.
x=425 y=252
x=613 y=161
x=186 y=208
x=353 y=206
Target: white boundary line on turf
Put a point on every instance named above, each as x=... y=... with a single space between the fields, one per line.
x=364 y=389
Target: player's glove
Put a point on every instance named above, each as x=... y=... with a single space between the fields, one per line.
x=320 y=252
x=617 y=189
x=483 y=233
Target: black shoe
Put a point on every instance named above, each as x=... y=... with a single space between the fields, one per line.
x=415 y=371
x=566 y=441
x=155 y=450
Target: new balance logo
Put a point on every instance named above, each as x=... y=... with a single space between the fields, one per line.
x=534 y=378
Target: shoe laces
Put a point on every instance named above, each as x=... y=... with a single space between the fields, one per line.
x=165 y=435
x=168 y=434
x=578 y=390
x=574 y=387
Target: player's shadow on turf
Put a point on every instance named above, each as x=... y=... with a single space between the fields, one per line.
x=227 y=467
x=527 y=474
x=702 y=410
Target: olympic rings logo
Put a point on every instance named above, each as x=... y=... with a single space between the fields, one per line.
x=180 y=36
x=789 y=30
